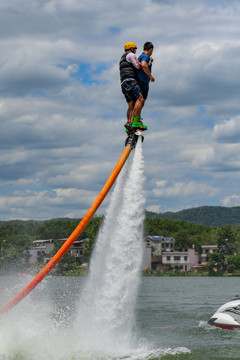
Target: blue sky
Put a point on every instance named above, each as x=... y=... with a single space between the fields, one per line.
x=62 y=111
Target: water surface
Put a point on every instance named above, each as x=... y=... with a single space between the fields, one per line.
x=171 y=321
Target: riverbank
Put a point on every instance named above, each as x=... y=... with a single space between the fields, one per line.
x=187 y=273
x=80 y=270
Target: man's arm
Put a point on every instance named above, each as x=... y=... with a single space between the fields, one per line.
x=131 y=58
x=146 y=70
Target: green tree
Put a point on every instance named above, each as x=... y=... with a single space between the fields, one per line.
x=88 y=248
x=225 y=241
x=182 y=240
x=215 y=263
x=233 y=263
x=65 y=264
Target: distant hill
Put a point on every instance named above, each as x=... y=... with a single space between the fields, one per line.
x=203 y=215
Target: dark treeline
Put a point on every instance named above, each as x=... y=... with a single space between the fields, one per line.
x=204 y=215
x=16 y=237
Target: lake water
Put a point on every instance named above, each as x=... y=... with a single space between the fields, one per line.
x=171 y=315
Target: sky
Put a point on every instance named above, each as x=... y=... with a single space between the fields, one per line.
x=62 y=110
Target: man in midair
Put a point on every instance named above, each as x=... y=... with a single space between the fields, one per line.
x=129 y=67
x=144 y=74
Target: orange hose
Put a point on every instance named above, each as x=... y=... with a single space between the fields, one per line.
x=81 y=226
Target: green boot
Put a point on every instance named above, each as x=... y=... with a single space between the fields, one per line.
x=138 y=124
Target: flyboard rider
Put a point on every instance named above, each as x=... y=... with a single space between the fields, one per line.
x=128 y=67
x=135 y=95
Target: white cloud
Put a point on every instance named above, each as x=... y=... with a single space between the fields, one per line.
x=153 y=208
x=228 y=130
x=59 y=201
x=73 y=68
x=161 y=183
x=187 y=190
x=232 y=200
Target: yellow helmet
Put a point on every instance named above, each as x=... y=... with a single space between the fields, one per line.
x=130 y=45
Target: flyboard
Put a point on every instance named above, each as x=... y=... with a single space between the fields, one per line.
x=129 y=145
x=133 y=137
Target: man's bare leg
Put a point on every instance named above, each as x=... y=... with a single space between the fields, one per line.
x=138 y=106
x=130 y=112
x=137 y=123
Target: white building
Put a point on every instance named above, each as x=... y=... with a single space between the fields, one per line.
x=160 y=244
x=182 y=260
x=41 y=248
x=205 y=250
x=147 y=258
x=154 y=246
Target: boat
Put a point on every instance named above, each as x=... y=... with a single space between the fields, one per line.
x=228 y=315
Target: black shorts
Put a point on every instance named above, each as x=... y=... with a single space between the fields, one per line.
x=131 y=90
x=144 y=89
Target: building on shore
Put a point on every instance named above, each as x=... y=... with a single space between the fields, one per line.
x=205 y=250
x=41 y=249
x=154 y=246
x=180 y=260
x=160 y=254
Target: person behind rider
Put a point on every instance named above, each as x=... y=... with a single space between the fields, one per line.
x=144 y=74
x=129 y=66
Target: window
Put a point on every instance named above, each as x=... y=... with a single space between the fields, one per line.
x=176 y=258
x=185 y=258
x=168 y=258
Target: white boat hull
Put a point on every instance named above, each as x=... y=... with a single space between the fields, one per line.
x=227 y=316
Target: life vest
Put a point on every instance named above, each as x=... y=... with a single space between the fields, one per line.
x=127 y=70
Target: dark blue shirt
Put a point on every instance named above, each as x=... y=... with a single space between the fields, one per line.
x=141 y=74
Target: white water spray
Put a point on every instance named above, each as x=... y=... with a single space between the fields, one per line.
x=104 y=328
x=107 y=306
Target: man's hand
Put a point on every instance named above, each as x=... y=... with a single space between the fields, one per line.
x=152 y=78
